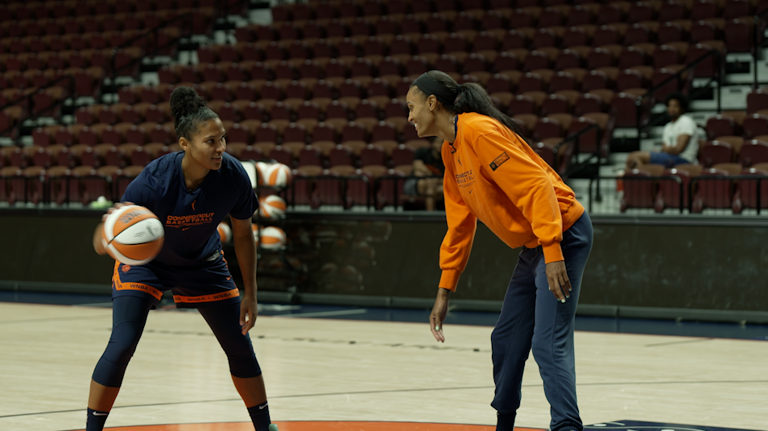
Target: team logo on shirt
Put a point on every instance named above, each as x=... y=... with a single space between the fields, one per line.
x=189 y=220
x=465 y=178
x=498 y=161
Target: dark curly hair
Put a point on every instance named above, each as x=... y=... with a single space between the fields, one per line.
x=681 y=99
x=188 y=110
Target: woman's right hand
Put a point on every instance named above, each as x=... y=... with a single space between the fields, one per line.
x=439 y=311
x=116 y=206
x=98 y=238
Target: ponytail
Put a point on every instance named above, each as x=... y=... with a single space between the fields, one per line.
x=469 y=97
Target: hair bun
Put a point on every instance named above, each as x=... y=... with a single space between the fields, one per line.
x=185 y=101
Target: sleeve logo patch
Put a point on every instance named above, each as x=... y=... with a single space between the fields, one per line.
x=498 y=161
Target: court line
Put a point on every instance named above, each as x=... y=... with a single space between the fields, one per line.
x=670 y=343
x=644 y=383
x=324 y=313
x=52 y=318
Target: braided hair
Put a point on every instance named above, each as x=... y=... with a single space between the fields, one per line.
x=188 y=110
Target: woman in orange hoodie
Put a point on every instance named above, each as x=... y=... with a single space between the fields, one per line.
x=492 y=174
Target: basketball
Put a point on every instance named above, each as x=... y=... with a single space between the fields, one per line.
x=225 y=232
x=132 y=235
x=261 y=172
x=272 y=238
x=274 y=175
x=272 y=207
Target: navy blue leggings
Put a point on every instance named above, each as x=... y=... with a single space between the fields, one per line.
x=532 y=319
x=129 y=315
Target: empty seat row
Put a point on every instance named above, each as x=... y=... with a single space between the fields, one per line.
x=42 y=10
x=396 y=85
x=527 y=12
x=23 y=32
x=72 y=45
x=529 y=37
x=455 y=62
x=14 y=85
x=349 y=108
x=61 y=184
x=734 y=149
x=81 y=154
x=248 y=131
x=738 y=123
x=724 y=185
x=27 y=66
x=467 y=41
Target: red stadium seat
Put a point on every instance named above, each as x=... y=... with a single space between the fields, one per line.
x=715 y=190
x=640 y=189
x=673 y=194
x=751 y=193
x=715 y=152
x=753 y=152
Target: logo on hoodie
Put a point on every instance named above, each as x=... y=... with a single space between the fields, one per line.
x=498 y=161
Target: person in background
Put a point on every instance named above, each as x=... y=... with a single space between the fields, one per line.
x=680 y=139
x=427 y=162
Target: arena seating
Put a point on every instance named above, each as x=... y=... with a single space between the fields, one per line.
x=323 y=86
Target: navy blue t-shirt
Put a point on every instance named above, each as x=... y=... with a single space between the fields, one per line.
x=191 y=217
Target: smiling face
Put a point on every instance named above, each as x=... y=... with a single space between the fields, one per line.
x=421 y=111
x=208 y=144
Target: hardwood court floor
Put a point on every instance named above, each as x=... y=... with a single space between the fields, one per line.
x=341 y=370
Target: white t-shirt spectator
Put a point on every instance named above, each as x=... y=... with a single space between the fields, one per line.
x=683 y=126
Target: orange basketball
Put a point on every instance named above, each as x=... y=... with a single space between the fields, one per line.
x=272 y=238
x=133 y=235
x=274 y=175
x=272 y=207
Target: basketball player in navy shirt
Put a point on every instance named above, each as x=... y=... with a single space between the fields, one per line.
x=191 y=192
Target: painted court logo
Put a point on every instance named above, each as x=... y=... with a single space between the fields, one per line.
x=498 y=161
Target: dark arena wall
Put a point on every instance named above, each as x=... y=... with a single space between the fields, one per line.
x=693 y=268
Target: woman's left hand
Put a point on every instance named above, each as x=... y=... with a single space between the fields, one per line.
x=249 y=308
x=557 y=277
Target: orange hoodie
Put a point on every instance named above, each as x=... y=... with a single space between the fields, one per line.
x=491 y=174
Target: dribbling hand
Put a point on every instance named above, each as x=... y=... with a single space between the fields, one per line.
x=116 y=206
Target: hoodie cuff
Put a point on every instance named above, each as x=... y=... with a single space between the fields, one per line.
x=449 y=279
x=552 y=252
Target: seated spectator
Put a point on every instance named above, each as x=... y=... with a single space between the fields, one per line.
x=427 y=162
x=680 y=139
